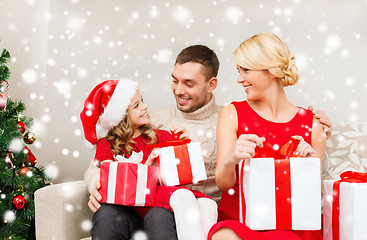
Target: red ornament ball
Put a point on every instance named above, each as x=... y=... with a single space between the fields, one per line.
x=19 y=202
x=21 y=126
x=24 y=170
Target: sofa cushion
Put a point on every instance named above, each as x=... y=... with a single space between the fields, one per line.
x=346 y=150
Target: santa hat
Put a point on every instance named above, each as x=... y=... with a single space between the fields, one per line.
x=107 y=103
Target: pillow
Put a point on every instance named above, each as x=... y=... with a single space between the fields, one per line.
x=346 y=150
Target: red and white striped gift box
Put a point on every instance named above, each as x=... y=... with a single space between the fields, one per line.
x=181 y=164
x=345 y=208
x=280 y=193
x=128 y=184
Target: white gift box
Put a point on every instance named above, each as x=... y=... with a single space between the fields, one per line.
x=258 y=189
x=181 y=164
x=353 y=210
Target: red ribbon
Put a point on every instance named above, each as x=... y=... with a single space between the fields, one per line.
x=351 y=177
x=283 y=206
x=282 y=180
x=170 y=143
x=286 y=151
x=183 y=167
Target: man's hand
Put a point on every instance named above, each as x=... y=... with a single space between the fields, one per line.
x=95 y=197
x=324 y=119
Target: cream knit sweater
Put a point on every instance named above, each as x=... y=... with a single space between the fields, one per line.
x=201 y=125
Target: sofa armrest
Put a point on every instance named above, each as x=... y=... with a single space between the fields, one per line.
x=61 y=211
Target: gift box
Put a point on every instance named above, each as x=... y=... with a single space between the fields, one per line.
x=280 y=192
x=345 y=207
x=181 y=162
x=128 y=184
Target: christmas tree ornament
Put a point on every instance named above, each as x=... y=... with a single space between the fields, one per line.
x=18 y=202
x=7 y=158
x=2 y=101
x=29 y=138
x=24 y=170
x=21 y=126
x=30 y=156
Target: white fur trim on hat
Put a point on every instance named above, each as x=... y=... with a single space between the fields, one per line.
x=115 y=111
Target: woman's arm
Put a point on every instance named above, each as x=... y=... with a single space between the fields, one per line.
x=318 y=141
x=225 y=175
x=230 y=150
x=318 y=138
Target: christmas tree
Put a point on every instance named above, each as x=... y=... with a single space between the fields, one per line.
x=19 y=177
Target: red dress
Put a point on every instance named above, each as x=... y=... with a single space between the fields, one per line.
x=249 y=122
x=163 y=194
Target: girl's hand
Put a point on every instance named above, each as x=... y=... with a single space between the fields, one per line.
x=180 y=131
x=303 y=148
x=245 y=145
x=153 y=155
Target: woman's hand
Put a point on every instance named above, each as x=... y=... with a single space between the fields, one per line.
x=152 y=156
x=179 y=131
x=303 y=148
x=244 y=147
x=230 y=148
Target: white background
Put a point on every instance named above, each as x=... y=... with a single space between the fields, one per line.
x=62 y=48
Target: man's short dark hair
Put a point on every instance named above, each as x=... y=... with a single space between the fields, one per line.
x=203 y=55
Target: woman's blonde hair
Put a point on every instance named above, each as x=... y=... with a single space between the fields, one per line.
x=121 y=136
x=266 y=51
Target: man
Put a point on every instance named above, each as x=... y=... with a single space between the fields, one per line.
x=194 y=78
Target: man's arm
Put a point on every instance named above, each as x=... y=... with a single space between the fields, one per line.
x=324 y=119
x=91 y=177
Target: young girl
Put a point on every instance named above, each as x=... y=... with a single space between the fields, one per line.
x=120 y=109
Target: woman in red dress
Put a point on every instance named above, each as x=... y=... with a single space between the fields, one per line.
x=265 y=67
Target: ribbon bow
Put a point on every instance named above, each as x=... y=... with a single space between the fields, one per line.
x=351 y=177
x=286 y=151
x=175 y=142
x=354 y=177
x=134 y=158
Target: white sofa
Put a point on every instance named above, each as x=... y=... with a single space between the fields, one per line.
x=62 y=212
